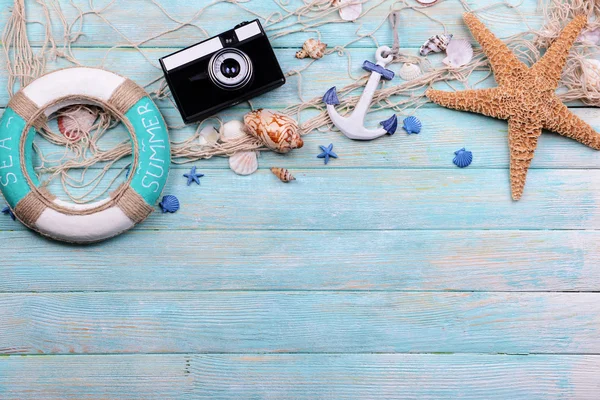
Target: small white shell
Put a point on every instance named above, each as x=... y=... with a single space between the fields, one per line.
x=244 y=163
x=591 y=70
x=349 y=12
x=208 y=136
x=459 y=52
x=409 y=71
x=232 y=130
x=590 y=37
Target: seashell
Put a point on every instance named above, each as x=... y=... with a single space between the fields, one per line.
x=75 y=122
x=208 y=136
x=591 y=72
x=349 y=12
x=409 y=71
x=412 y=125
x=435 y=44
x=312 y=48
x=232 y=130
x=277 y=131
x=169 y=204
x=244 y=162
x=427 y=2
x=590 y=37
x=283 y=174
x=463 y=158
x=459 y=52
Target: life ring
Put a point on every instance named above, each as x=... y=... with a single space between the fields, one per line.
x=131 y=203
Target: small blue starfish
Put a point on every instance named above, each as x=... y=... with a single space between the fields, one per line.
x=6 y=210
x=193 y=176
x=327 y=152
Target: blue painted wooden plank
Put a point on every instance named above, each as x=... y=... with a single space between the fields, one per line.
x=444 y=132
x=300 y=376
x=307 y=260
x=378 y=199
x=289 y=321
x=413 y=30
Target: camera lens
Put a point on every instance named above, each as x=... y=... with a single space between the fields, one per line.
x=230 y=68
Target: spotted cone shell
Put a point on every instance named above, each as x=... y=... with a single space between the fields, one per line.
x=312 y=48
x=277 y=131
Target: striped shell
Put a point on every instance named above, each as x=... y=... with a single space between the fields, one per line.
x=463 y=158
x=169 y=204
x=458 y=53
x=409 y=71
x=435 y=44
x=244 y=162
x=277 y=131
x=283 y=174
x=412 y=125
x=312 y=48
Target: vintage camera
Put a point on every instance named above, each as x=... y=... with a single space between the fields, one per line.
x=222 y=71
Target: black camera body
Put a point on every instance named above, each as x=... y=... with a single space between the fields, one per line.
x=222 y=71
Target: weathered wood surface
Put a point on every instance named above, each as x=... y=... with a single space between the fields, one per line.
x=389 y=249
x=299 y=322
x=301 y=376
x=196 y=260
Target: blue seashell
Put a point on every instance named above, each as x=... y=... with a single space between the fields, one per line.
x=390 y=125
x=169 y=203
x=330 y=97
x=412 y=125
x=463 y=158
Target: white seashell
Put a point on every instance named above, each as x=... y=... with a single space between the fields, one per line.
x=590 y=37
x=208 y=136
x=427 y=2
x=409 y=71
x=244 y=163
x=232 y=130
x=349 y=12
x=591 y=70
x=459 y=52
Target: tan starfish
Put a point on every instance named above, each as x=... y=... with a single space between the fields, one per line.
x=525 y=97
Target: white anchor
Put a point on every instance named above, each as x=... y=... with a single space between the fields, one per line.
x=353 y=125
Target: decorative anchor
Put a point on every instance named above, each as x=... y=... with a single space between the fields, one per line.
x=353 y=125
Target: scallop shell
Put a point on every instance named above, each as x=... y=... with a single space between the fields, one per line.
x=427 y=2
x=349 y=12
x=459 y=52
x=591 y=70
x=312 y=48
x=277 y=131
x=75 y=122
x=232 y=130
x=244 y=162
x=208 y=136
x=283 y=174
x=463 y=158
x=169 y=204
x=412 y=125
x=590 y=37
x=409 y=71
x=435 y=44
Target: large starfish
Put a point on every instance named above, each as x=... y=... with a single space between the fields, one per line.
x=525 y=97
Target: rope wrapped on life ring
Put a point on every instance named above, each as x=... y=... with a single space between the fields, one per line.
x=131 y=203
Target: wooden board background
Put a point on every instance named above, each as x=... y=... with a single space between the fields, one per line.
x=388 y=273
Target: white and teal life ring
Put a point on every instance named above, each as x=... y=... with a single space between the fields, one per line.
x=131 y=203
